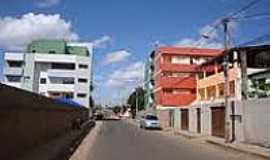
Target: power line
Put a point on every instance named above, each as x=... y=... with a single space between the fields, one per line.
x=259 y=39
x=243 y=9
x=255 y=16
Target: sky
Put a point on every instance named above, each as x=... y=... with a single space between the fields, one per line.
x=124 y=31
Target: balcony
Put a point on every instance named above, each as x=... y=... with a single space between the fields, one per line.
x=16 y=71
x=57 y=87
x=177 y=99
x=61 y=73
x=176 y=82
x=184 y=68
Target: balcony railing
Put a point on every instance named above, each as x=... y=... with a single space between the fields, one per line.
x=176 y=82
x=177 y=99
x=184 y=68
x=13 y=71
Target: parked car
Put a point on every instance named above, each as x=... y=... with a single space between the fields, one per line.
x=150 y=121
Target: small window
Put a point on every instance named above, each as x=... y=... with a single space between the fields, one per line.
x=43 y=81
x=14 y=78
x=51 y=52
x=82 y=80
x=67 y=66
x=83 y=66
x=15 y=63
x=81 y=95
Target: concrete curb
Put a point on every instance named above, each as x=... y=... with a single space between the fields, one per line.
x=238 y=149
x=81 y=153
x=186 y=135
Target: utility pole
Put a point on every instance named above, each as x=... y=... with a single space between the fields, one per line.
x=226 y=81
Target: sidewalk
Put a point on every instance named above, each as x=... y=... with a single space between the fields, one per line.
x=82 y=152
x=241 y=147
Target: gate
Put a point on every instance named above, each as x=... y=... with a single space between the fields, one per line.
x=218 y=121
x=184 y=119
x=199 y=120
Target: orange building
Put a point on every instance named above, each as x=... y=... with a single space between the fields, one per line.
x=174 y=74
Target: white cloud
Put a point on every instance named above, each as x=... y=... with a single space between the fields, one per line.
x=102 y=42
x=188 y=42
x=47 y=3
x=16 y=33
x=117 y=56
x=210 y=40
x=129 y=74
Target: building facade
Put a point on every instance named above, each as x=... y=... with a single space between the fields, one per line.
x=53 y=68
x=174 y=77
x=175 y=74
x=148 y=84
x=248 y=97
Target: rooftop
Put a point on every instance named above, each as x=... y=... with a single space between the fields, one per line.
x=46 y=46
x=189 y=51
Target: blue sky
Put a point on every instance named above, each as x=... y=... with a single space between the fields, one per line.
x=126 y=30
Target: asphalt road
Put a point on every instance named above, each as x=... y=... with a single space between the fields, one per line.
x=120 y=140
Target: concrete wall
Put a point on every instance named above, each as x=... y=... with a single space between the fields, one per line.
x=164 y=117
x=256 y=121
x=206 y=119
x=28 y=120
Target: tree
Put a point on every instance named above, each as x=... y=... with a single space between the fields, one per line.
x=139 y=94
x=116 y=109
x=91 y=102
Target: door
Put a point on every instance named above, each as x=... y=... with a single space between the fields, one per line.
x=171 y=118
x=218 y=121
x=199 y=120
x=184 y=119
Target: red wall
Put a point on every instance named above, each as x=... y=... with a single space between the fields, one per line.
x=186 y=85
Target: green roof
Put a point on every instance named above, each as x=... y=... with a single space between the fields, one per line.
x=55 y=47
x=76 y=50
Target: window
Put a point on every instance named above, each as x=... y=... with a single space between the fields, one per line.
x=51 y=52
x=180 y=60
x=232 y=88
x=14 y=78
x=82 y=80
x=81 y=95
x=15 y=63
x=43 y=81
x=62 y=80
x=68 y=81
x=151 y=117
x=68 y=66
x=83 y=66
x=221 y=90
x=210 y=73
x=201 y=75
x=168 y=91
x=211 y=92
x=202 y=93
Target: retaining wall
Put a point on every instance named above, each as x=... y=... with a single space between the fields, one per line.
x=28 y=120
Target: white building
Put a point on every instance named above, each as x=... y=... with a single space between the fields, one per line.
x=52 y=68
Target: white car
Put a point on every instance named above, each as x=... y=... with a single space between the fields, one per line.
x=150 y=121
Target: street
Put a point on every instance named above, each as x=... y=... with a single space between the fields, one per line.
x=120 y=140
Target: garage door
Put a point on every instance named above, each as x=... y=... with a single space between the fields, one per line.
x=218 y=121
x=184 y=119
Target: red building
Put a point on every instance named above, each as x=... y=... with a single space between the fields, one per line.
x=174 y=74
